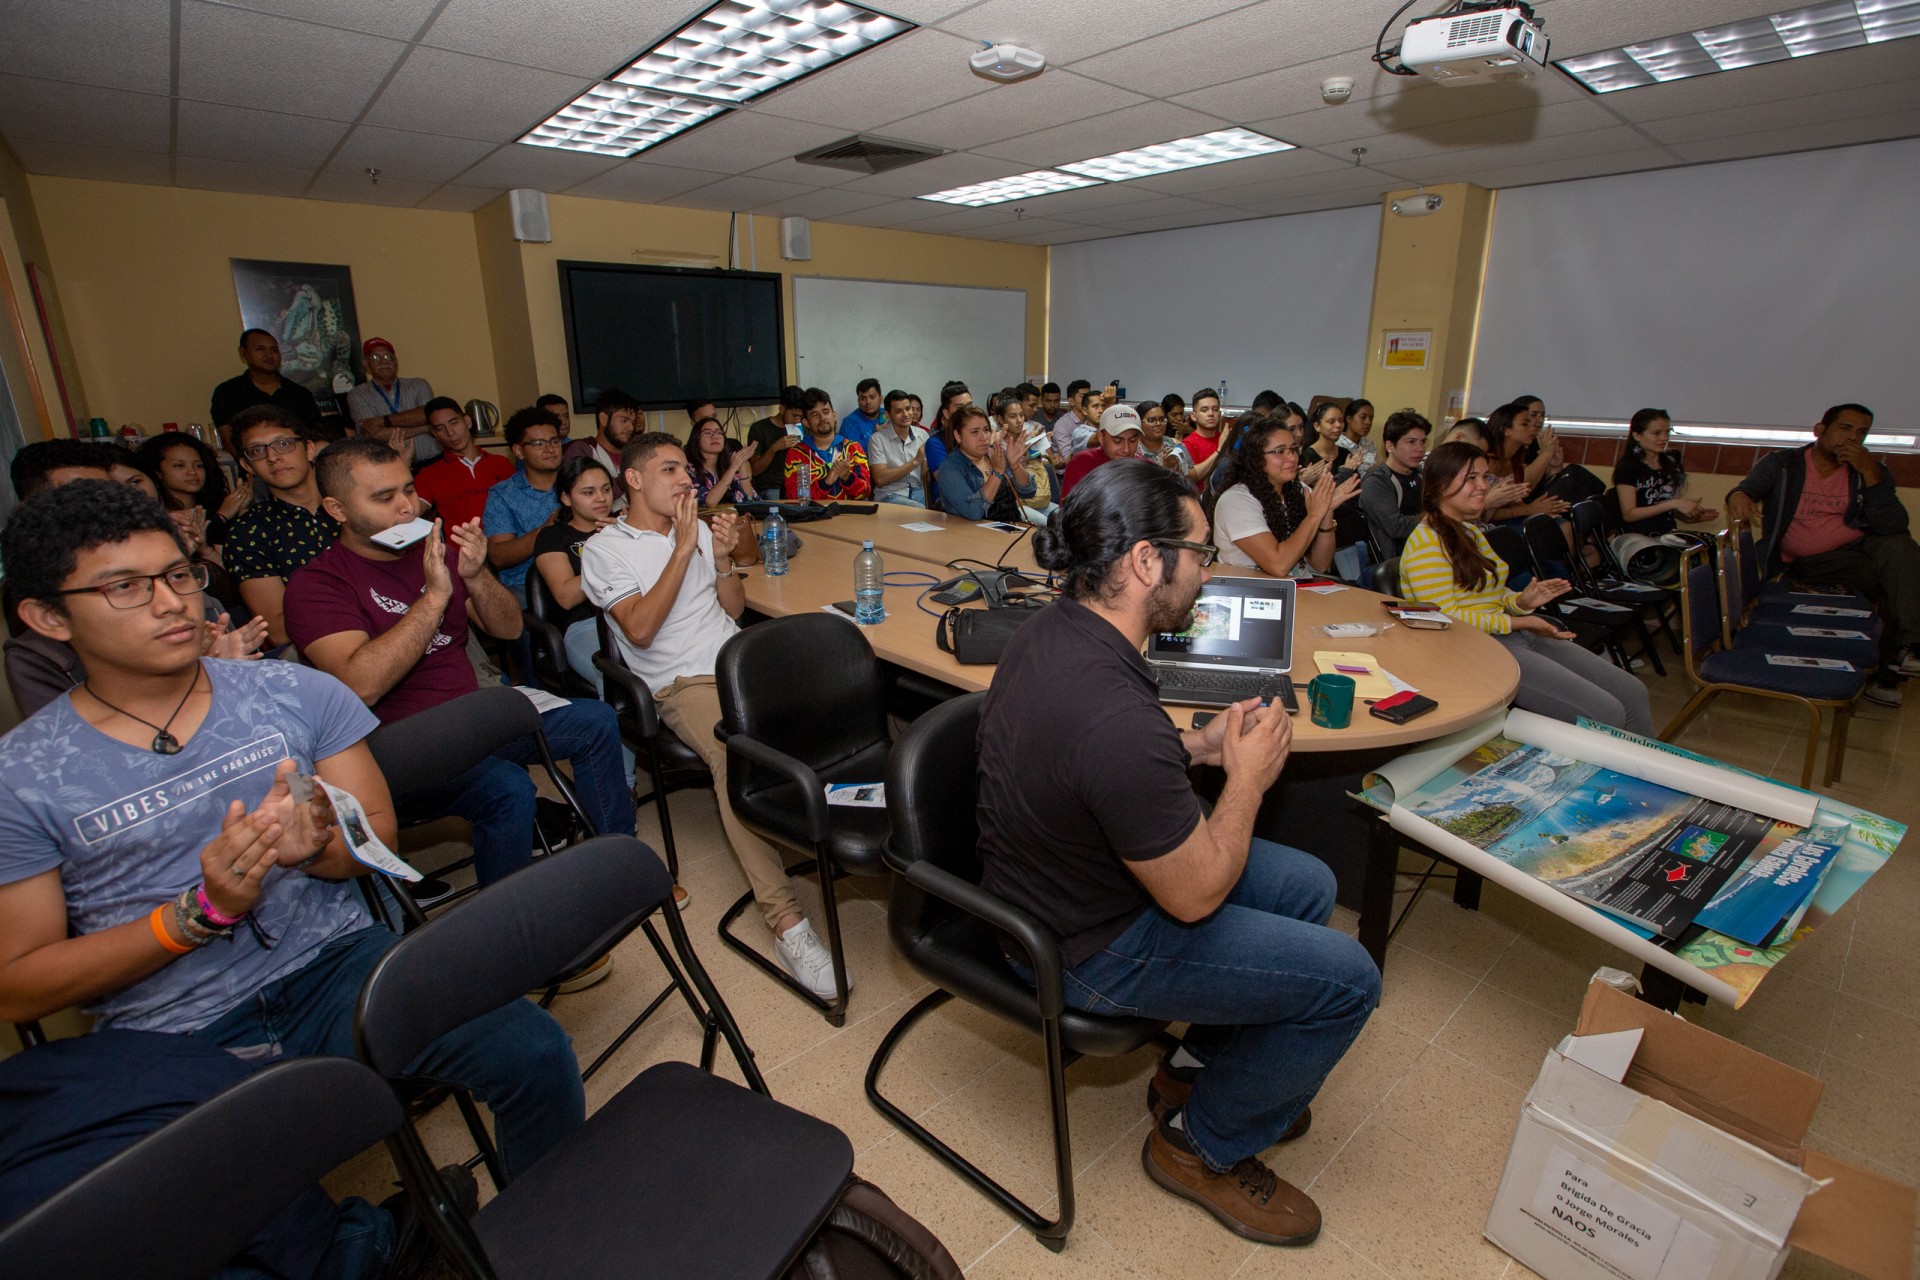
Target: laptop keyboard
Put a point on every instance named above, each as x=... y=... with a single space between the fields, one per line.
x=1219 y=688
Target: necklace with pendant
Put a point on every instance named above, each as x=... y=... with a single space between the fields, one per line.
x=164 y=743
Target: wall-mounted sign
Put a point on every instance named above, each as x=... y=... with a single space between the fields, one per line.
x=1405 y=348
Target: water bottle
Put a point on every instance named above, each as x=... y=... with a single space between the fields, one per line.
x=868 y=587
x=804 y=491
x=1223 y=393
x=773 y=552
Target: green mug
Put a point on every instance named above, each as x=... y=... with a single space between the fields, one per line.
x=1331 y=698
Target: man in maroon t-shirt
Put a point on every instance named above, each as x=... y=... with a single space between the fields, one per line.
x=392 y=626
x=1118 y=437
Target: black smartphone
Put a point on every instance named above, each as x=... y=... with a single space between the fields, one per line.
x=1402 y=707
x=1201 y=719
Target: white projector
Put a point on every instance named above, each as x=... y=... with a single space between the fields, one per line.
x=1481 y=46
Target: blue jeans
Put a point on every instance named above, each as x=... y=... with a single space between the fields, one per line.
x=1275 y=997
x=913 y=497
x=587 y=733
x=516 y=1059
x=582 y=641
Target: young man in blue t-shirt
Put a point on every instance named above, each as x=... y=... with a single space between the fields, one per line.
x=154 y=867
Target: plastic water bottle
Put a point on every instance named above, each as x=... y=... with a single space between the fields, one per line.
x=869 y=588
x=1223 y=393
x=773 y=539
x=804 y=491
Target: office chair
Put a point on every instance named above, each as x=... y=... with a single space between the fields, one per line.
x=671 y=764
x=547 y=638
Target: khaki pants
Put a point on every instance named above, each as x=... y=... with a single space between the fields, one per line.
x=690 y=706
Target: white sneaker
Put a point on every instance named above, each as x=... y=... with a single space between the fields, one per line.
x=1887 y=695
x=1909 y=662
x=807 y=959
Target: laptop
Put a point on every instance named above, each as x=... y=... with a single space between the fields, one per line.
x=1239 y=646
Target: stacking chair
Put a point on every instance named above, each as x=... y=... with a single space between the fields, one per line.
x=541 y=618
x=182 y=1202
x=1608 y=622
x=1775 y=600
x=1772 y=627
x=678 y=1176
x=1609 y=581
x=1715 y=670
x=671 y=764
x=803 y=704
x=949 y=930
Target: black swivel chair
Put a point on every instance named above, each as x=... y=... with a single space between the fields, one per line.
x=671 y=764
x=949 y=930
x=803 y=703
x=182 y=1203
x=672 y=1177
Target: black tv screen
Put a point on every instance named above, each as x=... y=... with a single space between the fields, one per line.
x=667 y=335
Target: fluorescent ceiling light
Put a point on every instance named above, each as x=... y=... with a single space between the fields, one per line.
x=1040 y=182
x=614 y=120
x=1181 y=153
x=1691 y=431
x=1795 y=33
x=739 y=49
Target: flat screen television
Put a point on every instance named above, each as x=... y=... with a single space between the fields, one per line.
x=667 y=335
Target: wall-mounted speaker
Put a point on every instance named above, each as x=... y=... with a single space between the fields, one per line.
x=796 y=239
x=530 y=222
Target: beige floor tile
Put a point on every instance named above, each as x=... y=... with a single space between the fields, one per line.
x=955 y=1043
x=1882 y=975
x=828 y=1081
x=1503 y=1034
x=1872 y=1035
x=1874 y=1114
x=1784 y=1005
x=1327 y=1258
x=1401 y=1207
x=1551 y=964
x=1822 y=958
x=1418 y=994
x=964 y=1220
x=1021 y=1257
x=1446 y=1104
x=1470 y=941
x=1161 y=1235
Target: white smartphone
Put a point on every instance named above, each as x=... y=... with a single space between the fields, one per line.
x=793 y=429
x=402 y=536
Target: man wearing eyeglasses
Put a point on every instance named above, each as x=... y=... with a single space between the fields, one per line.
x=523 y=504
x=1088 y=823
x=272 y=539
x=390 y=408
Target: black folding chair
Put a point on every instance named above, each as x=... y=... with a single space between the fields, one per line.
x=671 y=764
x=674 y=1176
x=184 y=1201
x=1608 y=580
x=1606 y=618
x=949 y=930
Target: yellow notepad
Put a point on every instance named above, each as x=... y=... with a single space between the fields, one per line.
x=1367 y=683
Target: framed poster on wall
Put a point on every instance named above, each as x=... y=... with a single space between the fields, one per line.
x=308 y=306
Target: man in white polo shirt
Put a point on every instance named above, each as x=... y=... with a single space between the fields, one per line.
x=672 y=605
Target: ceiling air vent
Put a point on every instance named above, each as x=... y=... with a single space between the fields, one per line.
x=860 y=154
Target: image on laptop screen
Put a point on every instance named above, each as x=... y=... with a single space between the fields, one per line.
x=1236 y=622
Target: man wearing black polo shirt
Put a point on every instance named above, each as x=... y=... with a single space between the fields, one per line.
x=261 y=384
x=271 y=539
x=1088 y=822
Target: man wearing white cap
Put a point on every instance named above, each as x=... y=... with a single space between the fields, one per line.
x=1118 y=437
x=391 y=408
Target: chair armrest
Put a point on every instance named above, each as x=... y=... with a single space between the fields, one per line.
x=549 y=649
x=1043 y=950
x=632 y=699
x=812 y=794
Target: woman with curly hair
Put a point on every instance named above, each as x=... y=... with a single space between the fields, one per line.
x=719 y=464
x=1264 y=518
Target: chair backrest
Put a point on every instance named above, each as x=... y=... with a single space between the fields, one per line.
x=1733 y=588
x=182 y=1203
x=1546 y=546
x=933 y=784
x=540 y=601
x=1511 y=546
x=1386 y=577
x=429 y=747
x=807 y=685
x=1741 y=546
x=512 y=937
x=1699 y=605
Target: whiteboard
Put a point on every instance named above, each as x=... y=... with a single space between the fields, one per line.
x=912 y=337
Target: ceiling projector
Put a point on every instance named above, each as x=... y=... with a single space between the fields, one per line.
x=1006 y=62
x=1478 y=46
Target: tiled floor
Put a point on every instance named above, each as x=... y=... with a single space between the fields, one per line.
x=1411 y=1131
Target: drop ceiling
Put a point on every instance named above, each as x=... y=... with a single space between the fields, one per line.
x=302 y=97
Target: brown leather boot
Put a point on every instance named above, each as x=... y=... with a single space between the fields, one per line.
x=1167 y=1092
x=1249 y=1200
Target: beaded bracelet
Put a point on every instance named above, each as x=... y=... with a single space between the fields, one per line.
x=211 y=912
x=157 y=923
x=198 y=929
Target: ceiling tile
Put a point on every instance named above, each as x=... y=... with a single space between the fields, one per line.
x=647 y=183
x=1052 y=98
x=248 y=59
x=904 y=76
x=1576 y=27
x=257 y=137
x=1793 y=78
x=1445 y=166
x=1091 y=204
x=354 y=188
x=964 y=221
x=1067 y=236
x=108 y=164
x=541 y=168
x=1064 y=30
x=121 y=44
x=399 y=19
x=826 y=205
x=1901 y=124
x=1849 y=103
x=1417 y=108
x=742 y=140
x=1155 y=206
x=465 y=97
x=1630 y=161
x=232 y=175
x=55 y=111
x=807 y=175
x=1276 y=33
x=738 y=194
x=1290 y=89
x=1314 y=203
x=1174 y=221
x=1344 y=178
x=894 y=213
x=1136 y=126
x=1507 y=128
x=581 y=37
x=1202 y=181
x=1022 y=228
x=456 y=199
x=941 y=173
x=400 y=153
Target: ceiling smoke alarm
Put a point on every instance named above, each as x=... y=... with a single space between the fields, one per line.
x=1006 y=62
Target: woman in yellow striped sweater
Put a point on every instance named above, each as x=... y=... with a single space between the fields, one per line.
x=1448 y=564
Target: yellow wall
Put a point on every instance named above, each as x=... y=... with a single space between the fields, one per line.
x=1428 y=277
x=148 y=290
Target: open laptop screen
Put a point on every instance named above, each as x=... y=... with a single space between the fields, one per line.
x=1237 y=622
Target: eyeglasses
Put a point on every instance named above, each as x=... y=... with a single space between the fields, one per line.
x=279 y=447
x=1208 y=552
x=131 y=593
x=540 y=442
x=1281 y=451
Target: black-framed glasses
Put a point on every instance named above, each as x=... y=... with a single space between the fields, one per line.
x=1208 y=552
x=279 y=447
x=541 y=442
x=135 y=591
x=1281 y=451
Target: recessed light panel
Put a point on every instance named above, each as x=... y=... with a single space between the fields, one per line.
x=616 y=120
x=1795 y=33
x=1041 y=182
x=739 y=49
x=1181 y=153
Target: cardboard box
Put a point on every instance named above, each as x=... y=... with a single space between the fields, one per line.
x=1650 y=1149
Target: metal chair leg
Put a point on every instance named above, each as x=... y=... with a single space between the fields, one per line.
x=835 y=1009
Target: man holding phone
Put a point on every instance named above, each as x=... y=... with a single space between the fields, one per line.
x=838 y=465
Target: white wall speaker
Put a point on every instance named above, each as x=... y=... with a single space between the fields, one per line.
x=530 y=222
x=796 y=239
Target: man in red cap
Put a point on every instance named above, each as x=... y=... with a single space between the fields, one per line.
x=391 y=408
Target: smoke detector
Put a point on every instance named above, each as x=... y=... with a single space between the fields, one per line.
x=1335 y=90
x=1006 y=62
